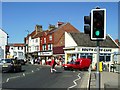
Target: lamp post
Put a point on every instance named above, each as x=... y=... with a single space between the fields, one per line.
x=27 y=43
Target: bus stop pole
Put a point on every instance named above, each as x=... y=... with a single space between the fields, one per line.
x=98 y=72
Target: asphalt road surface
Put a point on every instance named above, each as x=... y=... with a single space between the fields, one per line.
x=36 y=77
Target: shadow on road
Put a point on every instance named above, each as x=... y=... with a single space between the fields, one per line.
x=58 y=72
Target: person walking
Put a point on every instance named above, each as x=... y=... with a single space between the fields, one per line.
x=53 y=63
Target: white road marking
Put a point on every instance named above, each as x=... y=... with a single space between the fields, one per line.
x=38 y=69
x=32 y=71
x=7 y=79
x=23 y=74
x=74 y=81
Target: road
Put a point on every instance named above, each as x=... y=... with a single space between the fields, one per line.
x=36 y=76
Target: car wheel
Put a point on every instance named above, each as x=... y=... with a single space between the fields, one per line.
x=20 y=69
x=14 y=69
x=65 y=68
x=72 y=69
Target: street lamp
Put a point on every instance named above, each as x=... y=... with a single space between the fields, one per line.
x=27 y=44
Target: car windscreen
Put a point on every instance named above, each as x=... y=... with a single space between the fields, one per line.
x=6 y=60
x=77 y=63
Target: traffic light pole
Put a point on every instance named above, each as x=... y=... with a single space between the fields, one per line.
x=98 y=72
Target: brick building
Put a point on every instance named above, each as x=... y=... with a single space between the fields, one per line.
x=51 y=41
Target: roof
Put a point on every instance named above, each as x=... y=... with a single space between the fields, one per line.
x=3 y=31
x=83 y=39
x=16 y=44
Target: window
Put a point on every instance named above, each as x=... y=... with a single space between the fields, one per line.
x=44 y=40
x=102 y=58
x=15 y=53
x=86 y=55
x=50 y=37
x=20 y=54
x=36 y=48
x=49 y=46
x=105 y=57
x=36 y=40
x=77 y=63
x=44 y=47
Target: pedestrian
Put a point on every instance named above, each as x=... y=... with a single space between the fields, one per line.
x=53 y=63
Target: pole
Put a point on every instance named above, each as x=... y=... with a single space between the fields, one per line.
x=98 y=72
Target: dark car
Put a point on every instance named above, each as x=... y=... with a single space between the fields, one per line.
x=21 y=61
x=10 y=65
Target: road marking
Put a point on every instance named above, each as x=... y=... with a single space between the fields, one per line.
x=23 y=74
x=32 y=71
x=74 y=81
x=7 y=79
x=11 y=78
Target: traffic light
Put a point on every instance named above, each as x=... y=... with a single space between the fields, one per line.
x=87 y=23
x=98 y=24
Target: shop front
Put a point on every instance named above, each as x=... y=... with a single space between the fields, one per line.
x=106 y=54
x=45 y=54
x=79 y=45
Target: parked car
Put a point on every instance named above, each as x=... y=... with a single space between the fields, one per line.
x=21 y=61
x=80 y=64
x=10 y=65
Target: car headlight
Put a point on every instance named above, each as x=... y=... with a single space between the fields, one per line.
x=65 y=66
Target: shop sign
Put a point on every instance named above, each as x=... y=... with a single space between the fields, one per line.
x=45 y=53
x=94 y=50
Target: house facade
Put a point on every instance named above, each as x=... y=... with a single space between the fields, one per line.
x=117 y=54
x=3 y=43
x=51 y=41
x=16 y=50
x=32 y=42
x=79 y=45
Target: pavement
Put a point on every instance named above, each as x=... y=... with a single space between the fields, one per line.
x=108 y=80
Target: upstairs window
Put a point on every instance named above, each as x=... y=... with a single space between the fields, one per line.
x=49 y=46
x=43 y=47
x=36 y=40
x=50 y=37
x=44 y=40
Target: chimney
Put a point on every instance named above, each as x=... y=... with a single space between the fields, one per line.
x=51 y=27
x=60 y=23
x=38 y=28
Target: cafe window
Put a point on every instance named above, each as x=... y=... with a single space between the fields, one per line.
x=105 y=57
x=102 y=58
x=86 y=55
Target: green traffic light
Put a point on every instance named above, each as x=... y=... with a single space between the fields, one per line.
x=97 y=33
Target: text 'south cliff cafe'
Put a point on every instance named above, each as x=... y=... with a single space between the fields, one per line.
x=79 y=45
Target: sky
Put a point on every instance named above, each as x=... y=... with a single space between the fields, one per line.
x=18 y=17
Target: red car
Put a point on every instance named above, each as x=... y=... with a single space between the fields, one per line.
x=81 y=63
